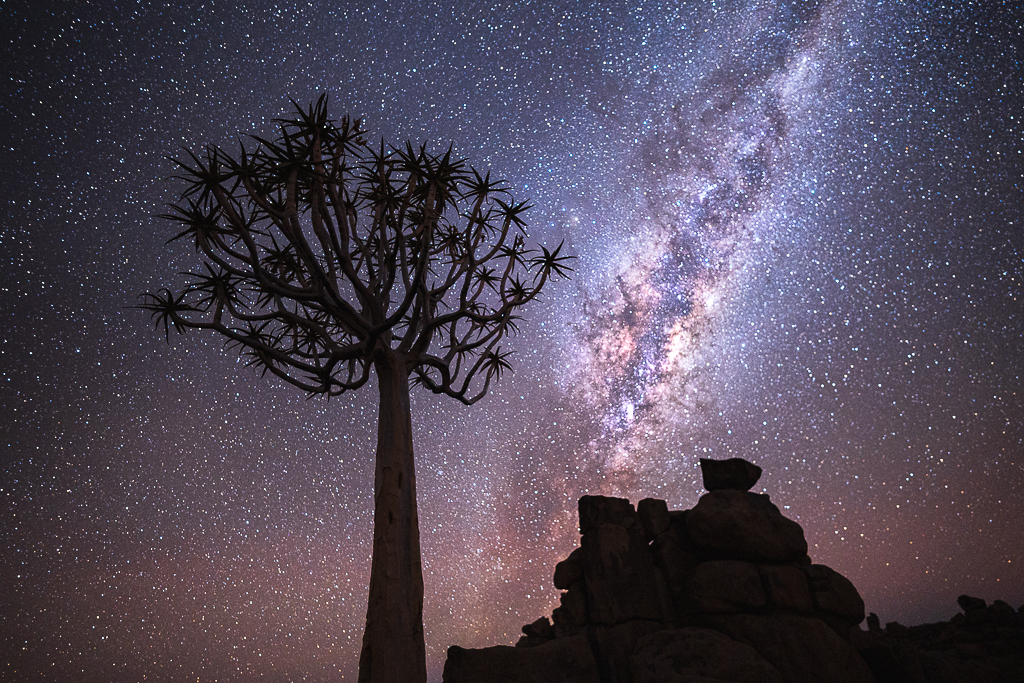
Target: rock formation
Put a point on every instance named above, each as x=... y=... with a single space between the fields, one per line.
x=725 y=592
x=722 y=592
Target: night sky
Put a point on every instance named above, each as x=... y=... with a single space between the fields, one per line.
x=799 y=238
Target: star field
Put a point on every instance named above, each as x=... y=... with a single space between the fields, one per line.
x=799 y=239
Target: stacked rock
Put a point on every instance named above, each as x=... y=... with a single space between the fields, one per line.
x=722 y=592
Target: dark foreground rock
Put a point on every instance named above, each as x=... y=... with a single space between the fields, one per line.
x=725 y=592
x=800 y=648
x=688 y=654
x=566 y=660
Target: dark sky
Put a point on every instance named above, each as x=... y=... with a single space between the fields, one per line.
x=799 y=232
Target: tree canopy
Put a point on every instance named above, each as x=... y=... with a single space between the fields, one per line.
x=318 y=245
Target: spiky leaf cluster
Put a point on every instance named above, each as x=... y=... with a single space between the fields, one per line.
x=319 y=250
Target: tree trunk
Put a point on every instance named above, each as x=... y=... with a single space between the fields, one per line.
x=393 y=650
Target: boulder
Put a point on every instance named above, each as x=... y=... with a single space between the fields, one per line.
x=562 y=623
x=665 y=598
x=619 y=575
x=574 y=605
x=734 y=473
x=569 y=570
x=835 y=594
x=740 y=525
x=957 y=668
x=675 y=559
x=724 y=586
x=677 y=521
x=967 y=603
x=786 y=587
x=596 y=510
x=975 y=610
x=536 y=633
x=613 y=645
x=802 y=649
x=687 y=655
x=1002 y=614
x=653 y=516
x=565 y=660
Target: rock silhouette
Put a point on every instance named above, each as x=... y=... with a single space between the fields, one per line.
x=734 y=473
x=725 y=592
x=985 y=642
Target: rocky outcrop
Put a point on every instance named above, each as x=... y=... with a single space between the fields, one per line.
x=722 y=592
x=725 y=592
x=985 y=642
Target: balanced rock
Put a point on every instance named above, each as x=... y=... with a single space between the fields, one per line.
x=744 y=526
x=734 y=473
x=969 y=604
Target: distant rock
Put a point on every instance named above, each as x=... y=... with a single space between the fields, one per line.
x=984 y=643
x=536 y=633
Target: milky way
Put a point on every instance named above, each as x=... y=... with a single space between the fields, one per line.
x=709 y=174
x=798 y=231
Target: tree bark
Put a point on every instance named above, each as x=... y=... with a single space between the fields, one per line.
x=393 y=650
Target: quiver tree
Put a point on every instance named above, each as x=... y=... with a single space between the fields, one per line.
x=324 y=257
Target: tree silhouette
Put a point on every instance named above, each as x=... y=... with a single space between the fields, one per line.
x=324 y=257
